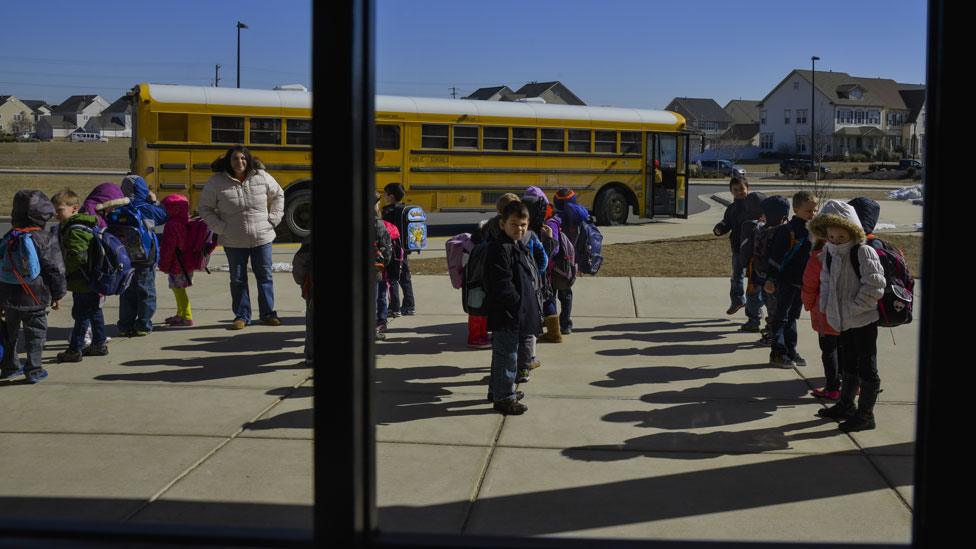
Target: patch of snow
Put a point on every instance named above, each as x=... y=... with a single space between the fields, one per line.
x=885 y=226
x=918 y=226
x=275 y=268
x=906 y=193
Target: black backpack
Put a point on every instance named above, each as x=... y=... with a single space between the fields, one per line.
x=474 y=293
x=895 y=306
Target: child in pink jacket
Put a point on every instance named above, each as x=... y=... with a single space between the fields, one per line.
x=174 y=257
x=829 y=337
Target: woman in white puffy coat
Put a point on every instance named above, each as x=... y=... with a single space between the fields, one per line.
x=242 y=203
x=851 y=283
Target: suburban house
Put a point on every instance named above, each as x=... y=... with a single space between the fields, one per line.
x=745 y=122
x=704 y=116
x=79 y=109
x=854 y=115
x=114 y=121
x=53 y=127
x=551 y=92
x=40 y=108
x=15 y=116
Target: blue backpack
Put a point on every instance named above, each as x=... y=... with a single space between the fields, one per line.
x=589 y=243
x=128 y=225
x=19 y=263
x=109 y=270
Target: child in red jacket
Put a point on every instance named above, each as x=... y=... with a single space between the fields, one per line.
x=829 y=337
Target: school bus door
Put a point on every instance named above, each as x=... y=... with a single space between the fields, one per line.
x=666 y=188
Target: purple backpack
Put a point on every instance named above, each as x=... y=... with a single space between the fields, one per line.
x=562 y=266
x=458 y=248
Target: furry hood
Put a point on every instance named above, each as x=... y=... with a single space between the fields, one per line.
x=835 y=213
x=868 y=211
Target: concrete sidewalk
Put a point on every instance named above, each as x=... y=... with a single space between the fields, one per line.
x=655 y=418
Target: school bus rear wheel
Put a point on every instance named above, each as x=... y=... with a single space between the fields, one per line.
x=612 y=208
x=298 y=214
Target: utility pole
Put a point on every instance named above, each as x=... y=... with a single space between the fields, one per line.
x=217 y=76
x=239 y=27
x=453 y=92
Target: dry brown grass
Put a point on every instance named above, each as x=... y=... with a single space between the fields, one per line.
x=63 y=155
x=49 y=184
x=693 y=256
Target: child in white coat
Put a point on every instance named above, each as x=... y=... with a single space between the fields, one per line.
x=851 y=283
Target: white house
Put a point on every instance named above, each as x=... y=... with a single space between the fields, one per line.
x=114 y=121
x=853 y=114
x=79 y=109
x=53 y=127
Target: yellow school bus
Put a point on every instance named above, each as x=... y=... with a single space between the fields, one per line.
x=178 y=131
x=462 y=155
x=450 y=155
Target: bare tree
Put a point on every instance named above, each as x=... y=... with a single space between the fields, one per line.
x=822 y=138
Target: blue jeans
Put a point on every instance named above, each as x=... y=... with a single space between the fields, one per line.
x=737 y=293
x=565 y=298
x=86 y=311
x=407 y=284
x=239 y=292
x=35 y=333
x=782 y=328
x=509 y=352
x=382 y=290
x=309 y=333
x=754 y=305
x=137 y=304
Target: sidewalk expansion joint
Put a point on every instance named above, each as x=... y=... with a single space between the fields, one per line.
x=476 y=492
x=196 y=465
x=877 y=469
x=633 y=294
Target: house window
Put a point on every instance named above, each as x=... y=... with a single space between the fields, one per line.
x=796 y=85
x=524 y=139
x=786 y=117
x=553 y=140
x=465 y=137
x=387 y=136
x=766 y=141
x=265 y=131
x=801 y=116
x=605 y=142
x=858 y=117
x=434 y=136
x=496 y=138
x=227 y=129
x=801 y=144
x=762 y=117
x=874 y=117
x=579 y=140
x=630 y=142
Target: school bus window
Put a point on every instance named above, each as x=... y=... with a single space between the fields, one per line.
x=172 y=127
x=387 y=137
x=434 y=136
x=552 y=140
x=630 y=142
x=227 y=129
x=465 y=137
x=299 y=132
x=496 y=138
x=579 y=140
x=523 y=139
x=605 y=142
x=266 y=131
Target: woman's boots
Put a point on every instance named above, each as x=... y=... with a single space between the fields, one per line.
x=552 y=331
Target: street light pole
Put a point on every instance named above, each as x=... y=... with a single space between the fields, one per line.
x=813 y=112
x=239 y=27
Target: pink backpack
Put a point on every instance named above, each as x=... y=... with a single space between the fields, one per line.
x=458 y=248
x=200 y=244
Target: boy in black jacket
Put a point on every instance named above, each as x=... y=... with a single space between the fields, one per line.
x=394 y=193
x=513 y=310
x=788 y=257
x=732 y=223
x=27 y=304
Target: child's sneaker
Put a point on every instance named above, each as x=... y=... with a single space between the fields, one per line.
x=172 y=319
x=764 y=339
x=510 y=407
x=519 y=395
x=734 y=308
x=857 y=423
x=781 y=360
x=92 y=350
x=408 y=312
x=534 y=364
x=394 y=314
x=824 y=393
x=480 y=343
x=752 y=327
x=69 y=356
x=37 y=375
x=796 y=358
x=523 y=376
x=837 y=411
x=8 y=374
x=182 y=322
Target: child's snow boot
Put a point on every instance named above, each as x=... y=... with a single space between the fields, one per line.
x=553 y=334
x=863 y=420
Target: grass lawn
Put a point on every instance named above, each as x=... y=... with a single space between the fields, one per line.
x=113 y=155
x=49 y=184
x=692 y=256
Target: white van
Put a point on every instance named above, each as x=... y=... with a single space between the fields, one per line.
x=85 y=136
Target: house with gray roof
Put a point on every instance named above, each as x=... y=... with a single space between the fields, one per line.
x=555 y=93
x=79 y=109
x=853 y=114
x=704 y=116
x=54 y=127
x=15 y=116
x=40 y=108
x=745 y=122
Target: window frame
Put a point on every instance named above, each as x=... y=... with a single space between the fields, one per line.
x=454 y=137
x=399 y=137
x=605 y=142
x=446 y=137
x=543 y=140
x=485 y=139
x=534 y=140
x=251 y=131
x=243 y=129
x=579 y=132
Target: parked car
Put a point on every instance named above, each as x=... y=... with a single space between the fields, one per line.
x=86 y=136
x=903 y=164
x=724 y=167
x=799 y=166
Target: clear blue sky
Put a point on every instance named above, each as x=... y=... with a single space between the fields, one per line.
x=633 y=53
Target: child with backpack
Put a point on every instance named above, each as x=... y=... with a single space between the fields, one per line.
x=852 y=280
x=513 y=308
x=185 y=249
x=754 y=222
x=393 y=194
x=31 y=279
x=302 y=273
x=77 y=236
x=565 y=264
x=775 y=209
x=828 y=337
x=788 y=256
x=134 y=224
x=732 y=223
x=383 y=253
x=391 y=272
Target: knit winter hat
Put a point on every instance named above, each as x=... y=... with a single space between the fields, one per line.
x=776 y=208
x=754 y=204
x=835 y=213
